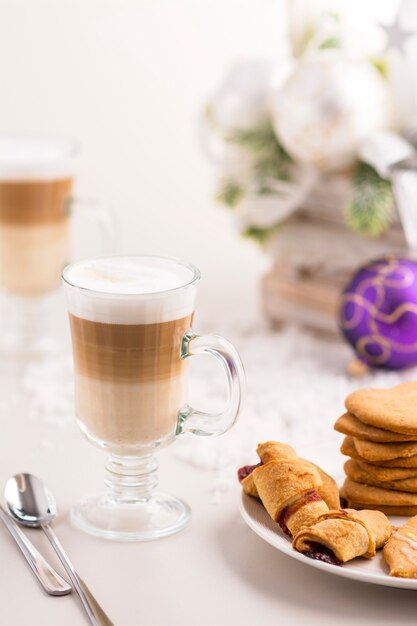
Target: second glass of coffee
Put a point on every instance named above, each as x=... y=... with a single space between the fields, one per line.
x=36 y=230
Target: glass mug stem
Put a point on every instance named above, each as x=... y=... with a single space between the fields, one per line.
x=131 y=479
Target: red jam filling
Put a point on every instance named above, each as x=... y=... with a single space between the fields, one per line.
x=243 y=472
x=343 y=503
x=288 y=511
x=322 y=553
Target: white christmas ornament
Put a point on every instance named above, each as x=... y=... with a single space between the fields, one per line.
x=327 y=107
x=241 y=102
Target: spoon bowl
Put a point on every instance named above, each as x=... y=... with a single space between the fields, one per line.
x=29 y=500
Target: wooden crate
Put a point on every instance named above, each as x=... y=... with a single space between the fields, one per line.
x=313 y=256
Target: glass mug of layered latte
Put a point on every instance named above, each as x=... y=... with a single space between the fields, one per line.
x=36 y=207
x=131 y=325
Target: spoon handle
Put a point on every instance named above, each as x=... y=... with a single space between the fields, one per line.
x=95 y=613
x=50 y=580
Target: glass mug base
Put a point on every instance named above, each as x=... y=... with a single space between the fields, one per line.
x=106 y=516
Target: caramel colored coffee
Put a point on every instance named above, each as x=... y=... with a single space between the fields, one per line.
x=129 y=379
x=34 y=234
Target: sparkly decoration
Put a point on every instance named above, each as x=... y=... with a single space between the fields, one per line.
x=327 y=107
x=378 y=313
x=396 y=35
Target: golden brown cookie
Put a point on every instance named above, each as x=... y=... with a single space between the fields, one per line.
x=355 y=472
x=376 y=452
x=383 y=474
x=400 y=551
x=406 y=511
x=348 y=424
x=349 y=449
x=391 y=409
x=368 y=494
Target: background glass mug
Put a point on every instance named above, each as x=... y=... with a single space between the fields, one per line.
x=36 y=211
x=131 y=326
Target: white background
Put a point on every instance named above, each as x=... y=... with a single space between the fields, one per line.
x=129 y=78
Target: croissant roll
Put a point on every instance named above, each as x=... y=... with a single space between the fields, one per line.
x=400 y=551
x=268 y=451
x=289 y=492
x=340 y=536
x=276 y=451
x=375 y=523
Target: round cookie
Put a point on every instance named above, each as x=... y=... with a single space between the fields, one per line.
x=377 y=496
x=348 y=424
x=373 y=452
x=406 y=511
x=348 y=448
x=383 y=474
x=392 y=409
x=356 y=473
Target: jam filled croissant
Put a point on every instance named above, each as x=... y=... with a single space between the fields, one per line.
x=289 y=492
x=342 y=535
x=295 y=492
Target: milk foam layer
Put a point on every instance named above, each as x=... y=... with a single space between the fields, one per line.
x=130 y=289
x=32 y=159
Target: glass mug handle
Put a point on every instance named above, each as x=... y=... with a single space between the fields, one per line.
x=90 y=210
x=207 y=424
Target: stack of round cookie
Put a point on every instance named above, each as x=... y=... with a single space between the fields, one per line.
x=381 y=439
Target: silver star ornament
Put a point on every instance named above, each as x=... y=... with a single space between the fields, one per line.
x=396 y=35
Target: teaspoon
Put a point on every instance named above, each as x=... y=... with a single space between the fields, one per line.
x=50 y=580
x=32 y=504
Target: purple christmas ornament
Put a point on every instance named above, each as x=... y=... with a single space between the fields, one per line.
x=378 y=313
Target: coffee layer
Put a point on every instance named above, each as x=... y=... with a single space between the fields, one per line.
x=128 y=414
x=34 y=202
x=128 y=352
x=32 y=258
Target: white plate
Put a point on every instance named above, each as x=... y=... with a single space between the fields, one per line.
x=366 y=570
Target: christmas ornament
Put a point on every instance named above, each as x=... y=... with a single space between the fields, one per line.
x=327 y=106
x=378 y=313
x=241 y=100
x=396 y=35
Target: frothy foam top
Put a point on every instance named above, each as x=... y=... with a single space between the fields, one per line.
x=22 y=158
x=104 y=290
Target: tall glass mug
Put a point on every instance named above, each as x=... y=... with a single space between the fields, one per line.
x=131 y=325
x=36 y=207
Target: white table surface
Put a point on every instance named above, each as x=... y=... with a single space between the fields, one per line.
x=216 y=572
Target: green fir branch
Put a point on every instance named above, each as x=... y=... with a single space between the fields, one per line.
x=381 y=66
x=260 y=235
x=271 y=160
x=229 y=193
x=331 y=43
x=370 y=210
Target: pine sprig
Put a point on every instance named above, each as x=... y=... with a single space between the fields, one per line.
x=229 y=193
x=370 y=210
x=271 y=160
x=261 y=235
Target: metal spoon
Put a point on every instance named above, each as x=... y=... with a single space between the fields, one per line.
x=32 y=504
x=50 y=580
